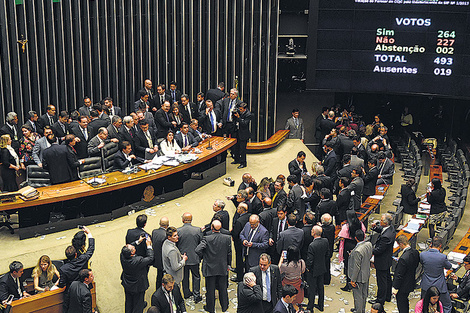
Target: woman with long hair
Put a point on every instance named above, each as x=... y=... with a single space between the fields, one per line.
x=169 y=146
x=27 y=143
x=430 y=303
x=348 y=241
x=292 y=267
x=436 y=197
x=45 y=275
x=10 y=164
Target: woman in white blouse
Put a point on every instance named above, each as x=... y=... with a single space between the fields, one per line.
x=10 y=164
x=169 y=146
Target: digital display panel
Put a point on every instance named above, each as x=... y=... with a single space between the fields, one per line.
x=393 y=46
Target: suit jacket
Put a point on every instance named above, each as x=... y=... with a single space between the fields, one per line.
x=173 y=262
x=189 y=238
x=191 y=141
x=117 y=111
x=346 y=144
x=163 y=123
x=318 y=257
x=84 y=110
x=260 y=240
x=73 y=163
x=69 y=271
x=112 y=132
x=225 y=220
x=184 y=112
x=120 y=161
x=255 y=206
x=82 y=146
x=343 y=201
x=160 y=300
x=133 y=236
x=238 y=225
x=275 y=280
x=280 y=199
x=176 y=97
x=141 y=142
x=436 y=199
x=56 y=162
x=44 y=120
x=134 y=277
x=359 y=262
x=291 y=236
x=409 y=202
x=214 y=95
x=356 y=161
x=140 y=105
x=275 y=229
x=308 y=238
x=34 y=126
x=329 y=164
x=96 y=124
x=93 y=144
x=326 y=125
x=159 y=102
x=329 y=234
x=405 y=271
x=295 y=202
x=8 y=287
x=206 y=122
x=249 y=299
x=370 y=181
x=326 y=182
x=294 y=169
x=59 y=132
x=326 y=206
x=78 y=299
x=216 y=253
x=356 y=186
x=244 y=125
x=295 y=131
x=281 y=308
x=387 y=169
x=266 y=217
x=127 y=135
x=463 y=289
x=158 y=237
x=196 y=134
x=383 y=248
x=225 y=108
x=38 y=150
x=6 y=130
x=434 y=263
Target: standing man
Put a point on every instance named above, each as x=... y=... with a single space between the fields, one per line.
x=404 y=280
x=284 y=305
x=279 y=225
x=370 y=179
x=386 y=169
x=32 y=121
x=163 y=120
x=255 y=238
x=237 y=228
x=280 y=196
x=49 y=118
x=161 y=97
x=382 y=252
x=228 y=108
x=356 y=186
x=173 y=260
x=298 y=167
x=83 y=132
x=10 y=283
x=218 y=208
x=134 y=277
x=292 y=236
x=329 y=162
x=189 y=238
x=85 y=109
x=216 y=253
x=216 y=94
x=150 y=93
x=295 y=125
x=269 y=279
x=317 y=261
x=61 y=128
x=11 y=128
x=78 y=299
x=242 y=121
x=359 y=271
x=167 y=298
x=136 y=236
x=295 y=203
x=158 y=237
x=188 y=109
x=434 y=262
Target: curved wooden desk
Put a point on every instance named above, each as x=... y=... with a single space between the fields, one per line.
x=273 y=141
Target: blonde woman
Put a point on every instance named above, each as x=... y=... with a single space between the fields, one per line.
x=10 y=164
x=44 y=274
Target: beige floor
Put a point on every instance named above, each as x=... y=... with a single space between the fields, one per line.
x=110 y=235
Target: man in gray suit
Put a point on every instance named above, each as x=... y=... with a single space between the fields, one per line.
x=114 y=127
x=292 y=236
x=96 y=143
x=356 y=186
x=41 y=145
x=216 y=253
x=158 y=237
x=295 y=125
x=189 y=238
x=172 y=259
x=359 y=271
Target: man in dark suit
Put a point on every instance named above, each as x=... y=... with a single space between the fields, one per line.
x=10 y=283
x=185 y=139
x=345 y=171
x=386 y=169
x=297 y=166
x=189 y=238
x=462 y=291
x=158 y=237
x=255 y=238
x=61 y=128
x=228 y=106
x=210 y=119
x=330 y=161
x=370 y=179
x=126 y=132
x=78 y=299
x=243 y=120
x=113 y=110
x=343 y=200
x=284 y=305
x=83 y=132
x=11 y=128
x=255 y=205
x=326 y=125
x=114 y=127
x=99 y=141
x=33 y=121
x=134 y=277
x=326 y=205
x=167 y=297
x=318 y=131
x=328 y=233
x=174 y=93
x=136 y=236
x=49 y=118
x=58 y=161
x=216 y=94
x=69 y=271
x=142 y=104
x=188 y=110
x=145 y=141
x=237 y=227
x=269 y=279
x=308 y=221
x=279 y=197
x=404 y=278
x=383 y=251
x=292 y=236
x=218 y=208
x=216 y=253
x=250 y=295
x=345 y=140
x=85 y=109
x=152 y=97
x=72 y=160
x=163 y=120
x=161 y=97
x=295 y=203
x=96 y=123
x=123 y=158
x=317 y=261
x=278 y=226
x=357 y=186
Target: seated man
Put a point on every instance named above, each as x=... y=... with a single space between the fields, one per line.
x=185 y=139
x=123 y=158
x=462 y=291
x=96 y=143
x=10 y=283
x=161 y=296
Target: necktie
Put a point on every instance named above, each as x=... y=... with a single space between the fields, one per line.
x=172 y=309
x=212 y=121
x=167 y=118
x=268 y=287
x=296 y=122
x=280 y=228
x=185 y=140
x=189 y=111
x=274 y=198
x=34 y=126
x=173 y=95
x=85 y=134
x=19 y=287
x=229 y=115
x=63 y=127
x=51 y=121
x=291 y=308
x=149 y=139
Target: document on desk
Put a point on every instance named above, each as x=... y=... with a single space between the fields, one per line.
x=378 y=197
x=456 y=257
x=412 y=226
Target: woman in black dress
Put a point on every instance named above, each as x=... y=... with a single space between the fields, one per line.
x=436 y=197
x=10 y=164
x=409 y=201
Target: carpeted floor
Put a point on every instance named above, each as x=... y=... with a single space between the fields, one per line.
x=110 y=235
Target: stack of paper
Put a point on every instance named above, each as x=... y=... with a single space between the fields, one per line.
x=455 y=256
x=412 y=226
x=378 y=197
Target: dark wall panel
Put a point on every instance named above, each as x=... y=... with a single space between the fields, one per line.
x=108 y=47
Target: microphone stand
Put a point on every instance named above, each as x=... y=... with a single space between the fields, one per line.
x=209 y=147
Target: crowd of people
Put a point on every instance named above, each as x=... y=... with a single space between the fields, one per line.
x=163 y=122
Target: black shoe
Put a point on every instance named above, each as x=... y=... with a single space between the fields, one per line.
x=234 y=162
x=205 y=309
x=353 y=310
x=241 y=166
x=187 y=296
x=372 y=301
x=235 y=280
x=318 y=308
x=346 y=288
x=197 y=299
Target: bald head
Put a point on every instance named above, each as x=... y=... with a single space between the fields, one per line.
x=316 y=231
x=254 y=221
x=246 y=178
x=187 y=217
x=164 y=222
x=242 y=208
x=326 y=219
x=216 y=226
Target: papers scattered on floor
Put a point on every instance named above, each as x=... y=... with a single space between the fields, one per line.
x=334 y=270
x=456 y=257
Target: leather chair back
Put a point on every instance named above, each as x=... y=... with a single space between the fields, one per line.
x=91 y=167
x=37 y=176
x=108 y=152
